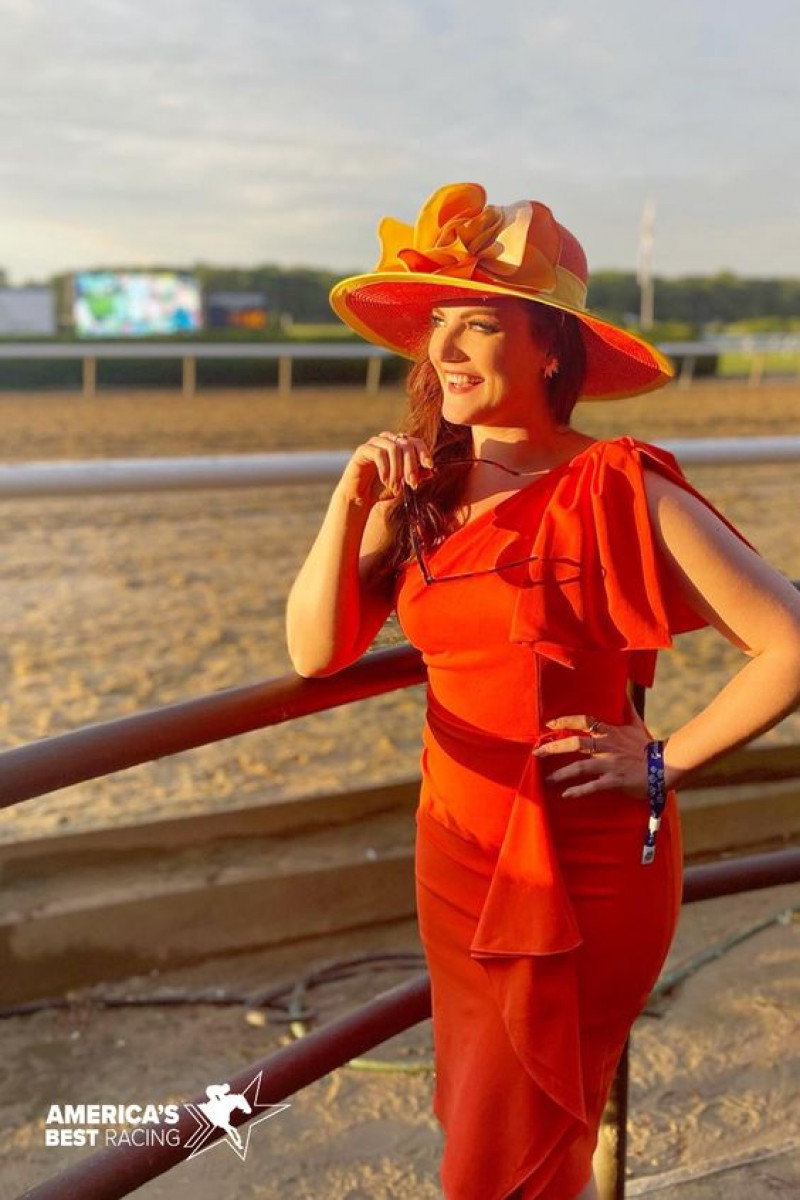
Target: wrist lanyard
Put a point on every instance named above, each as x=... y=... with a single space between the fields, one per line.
x=657 y=794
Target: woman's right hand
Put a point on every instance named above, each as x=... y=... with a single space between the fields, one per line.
x=378 y=467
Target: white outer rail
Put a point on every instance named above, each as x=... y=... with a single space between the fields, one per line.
x=105 y=476
x=744 y=343
x=755 y=345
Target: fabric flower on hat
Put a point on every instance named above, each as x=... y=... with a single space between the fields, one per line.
x=458 y=235
x=459 y=249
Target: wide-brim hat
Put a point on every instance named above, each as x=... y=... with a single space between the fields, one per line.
x=462 y=247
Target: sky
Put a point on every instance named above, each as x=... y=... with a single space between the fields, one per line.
x=139 y=132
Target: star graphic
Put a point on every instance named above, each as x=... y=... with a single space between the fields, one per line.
x=205 y=1127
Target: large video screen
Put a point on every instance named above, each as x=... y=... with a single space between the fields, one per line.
x=135 y=303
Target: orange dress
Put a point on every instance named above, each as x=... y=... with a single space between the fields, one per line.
x=543 y=932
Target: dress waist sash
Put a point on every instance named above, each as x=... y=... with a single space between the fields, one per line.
x=527 y=934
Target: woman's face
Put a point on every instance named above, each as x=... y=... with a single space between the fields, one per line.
x=489 y=361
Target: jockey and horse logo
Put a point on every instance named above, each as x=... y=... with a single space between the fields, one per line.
x=221 y=1103
x=216 y=1113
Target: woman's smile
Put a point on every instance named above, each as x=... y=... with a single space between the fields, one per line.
x=488 y=361
x=457 y=382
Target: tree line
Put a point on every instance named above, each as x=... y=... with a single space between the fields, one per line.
x=695 y=303
x=695 y=300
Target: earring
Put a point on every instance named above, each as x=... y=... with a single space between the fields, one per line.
x=551 y=369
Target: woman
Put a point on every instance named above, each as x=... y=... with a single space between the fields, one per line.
x=539 y=571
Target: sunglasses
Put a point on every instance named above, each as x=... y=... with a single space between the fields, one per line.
x=415 y=529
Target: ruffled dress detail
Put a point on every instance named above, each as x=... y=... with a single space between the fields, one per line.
x=543 y=932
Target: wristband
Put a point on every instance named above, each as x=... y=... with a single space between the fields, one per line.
x=657 y=795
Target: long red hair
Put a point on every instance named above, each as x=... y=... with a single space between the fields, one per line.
x=438 y=495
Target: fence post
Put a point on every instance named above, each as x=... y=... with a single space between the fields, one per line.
x=284 y=376
x=687 y=371
x=189 y=377
x=89 y=377
x=757 y=370
x=373 y=375
x=609 y=1158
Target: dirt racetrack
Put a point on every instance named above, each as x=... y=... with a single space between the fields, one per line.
x=113 y=605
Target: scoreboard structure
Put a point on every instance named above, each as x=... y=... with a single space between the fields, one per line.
x=236 y=310
x=135 y=303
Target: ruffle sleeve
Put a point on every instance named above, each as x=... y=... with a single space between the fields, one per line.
x=600 y=581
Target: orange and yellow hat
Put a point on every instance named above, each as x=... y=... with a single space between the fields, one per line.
x=460 y=246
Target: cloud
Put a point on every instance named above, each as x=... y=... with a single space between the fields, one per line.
x=282 y=131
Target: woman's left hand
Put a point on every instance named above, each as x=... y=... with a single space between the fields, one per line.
x=619 y=760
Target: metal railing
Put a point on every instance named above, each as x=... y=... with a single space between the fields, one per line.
x=114 y=1173
x=105 y=476
x=756 y=346
x=61 y=761
x=58 y=762
x=90 y=353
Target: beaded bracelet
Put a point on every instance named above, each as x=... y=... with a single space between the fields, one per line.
x=657 y=794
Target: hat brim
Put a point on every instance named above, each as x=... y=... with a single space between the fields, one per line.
x=392 y=309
